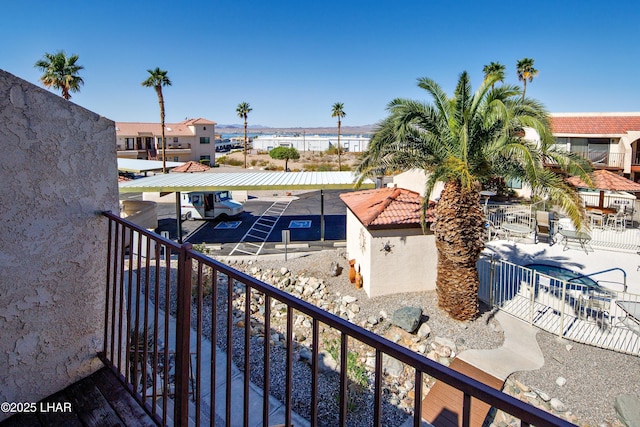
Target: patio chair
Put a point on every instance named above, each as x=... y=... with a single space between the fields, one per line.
x=543 y=226
x=494 y=232
x=617 y=221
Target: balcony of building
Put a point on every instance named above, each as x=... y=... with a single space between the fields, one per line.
x=189 y=341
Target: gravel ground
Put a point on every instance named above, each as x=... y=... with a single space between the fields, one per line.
x=594 y=376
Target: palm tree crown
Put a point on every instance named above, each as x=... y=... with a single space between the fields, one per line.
x=337 y=110
x=60 y=72
x=494 y=69
x=243 y=109
x=158 y=79
x=463 y=141
x=525 y=70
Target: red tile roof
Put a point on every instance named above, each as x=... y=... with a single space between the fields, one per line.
x=190 y=167
x=148 y=129
x=386 y=207
x=595 y=124
x=603 y=179
x=198 y=121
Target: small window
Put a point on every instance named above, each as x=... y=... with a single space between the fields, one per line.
x=205 y=140
x=175 y=139
x=204 y=128
x=515 y=184
x=176 y=159
x=205 y=157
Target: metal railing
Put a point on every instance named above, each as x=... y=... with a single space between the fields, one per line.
x=602 y=158
x=576 y=309
x=174 y=317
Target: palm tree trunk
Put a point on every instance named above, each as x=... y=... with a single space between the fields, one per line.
x=339 y=161
x=245 y=141
x=161 y=102
x=524 y=90
x=458 y=231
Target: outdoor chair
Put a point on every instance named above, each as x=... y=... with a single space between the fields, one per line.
x=597 y=219
x=494 y=232
x=617 y=221
x=544 y=226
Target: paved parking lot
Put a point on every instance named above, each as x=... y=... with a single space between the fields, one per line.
x=304 y=207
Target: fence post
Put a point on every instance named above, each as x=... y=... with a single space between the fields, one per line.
x=562 y=307
x=492 y=267
x=183 y=329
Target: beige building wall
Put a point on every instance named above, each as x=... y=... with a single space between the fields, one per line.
x=410 y=265
x=58 y=172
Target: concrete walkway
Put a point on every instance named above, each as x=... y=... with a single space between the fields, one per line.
x=519 y=352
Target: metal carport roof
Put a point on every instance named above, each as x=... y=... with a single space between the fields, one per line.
x=234 y=181
x=139 y=166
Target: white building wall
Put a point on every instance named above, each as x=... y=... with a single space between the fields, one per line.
x=311 y=142
x=410 y=266
x=58 y=171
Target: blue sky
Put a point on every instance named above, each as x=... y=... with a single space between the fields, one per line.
x=291 y=60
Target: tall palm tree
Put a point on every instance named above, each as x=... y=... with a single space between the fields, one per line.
x=243 y=111
x=338 y=111
x=158 y=79
x=525 y=70
x=463 y=141
x=494 y=68
x=60 y=72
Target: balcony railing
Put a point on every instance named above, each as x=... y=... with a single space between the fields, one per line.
x=602 y=158
x=174 y=317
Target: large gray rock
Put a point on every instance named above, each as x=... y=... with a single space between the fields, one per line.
x=628 y=410
x=407 y=318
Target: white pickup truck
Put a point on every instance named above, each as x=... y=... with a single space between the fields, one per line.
x=208 y=205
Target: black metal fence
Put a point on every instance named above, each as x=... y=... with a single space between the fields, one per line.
x=175 y=318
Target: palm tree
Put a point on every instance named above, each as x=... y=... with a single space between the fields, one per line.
x=338 y=111
x=526 y=72
x=464 y=141
x=243 y=111
x=60 y=72
x=157 y=79
x=494 y=68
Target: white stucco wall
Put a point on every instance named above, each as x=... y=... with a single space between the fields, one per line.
x=58 y=171
x=416 y=180
x=410 y=266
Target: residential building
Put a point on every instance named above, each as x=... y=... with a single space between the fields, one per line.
x=192 y=139
x=609 y=140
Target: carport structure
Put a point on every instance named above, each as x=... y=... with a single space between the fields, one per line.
x=244 y=181
x=144 y=166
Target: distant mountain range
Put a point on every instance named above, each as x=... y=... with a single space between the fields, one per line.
x=259 y=129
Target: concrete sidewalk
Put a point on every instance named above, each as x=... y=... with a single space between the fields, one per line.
x=519 y=352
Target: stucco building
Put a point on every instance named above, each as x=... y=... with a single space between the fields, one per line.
x=58 y=173
x=385 y=238
x=192 y=139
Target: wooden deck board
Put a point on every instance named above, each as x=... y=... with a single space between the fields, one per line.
x=442 y=407
x=97 y=400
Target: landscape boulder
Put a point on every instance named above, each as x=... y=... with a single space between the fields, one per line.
x=407 y=318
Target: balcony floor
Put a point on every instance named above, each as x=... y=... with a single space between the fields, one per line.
x=97 y=400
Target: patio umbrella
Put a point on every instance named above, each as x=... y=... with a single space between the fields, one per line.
x=605 y=180
x=191 y=166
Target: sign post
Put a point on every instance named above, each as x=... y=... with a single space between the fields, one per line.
x=285 y=239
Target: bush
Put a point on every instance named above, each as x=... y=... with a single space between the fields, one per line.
x=206 y=162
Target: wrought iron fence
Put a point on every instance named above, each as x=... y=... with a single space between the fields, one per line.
x=174 y=316
x=578 y=309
